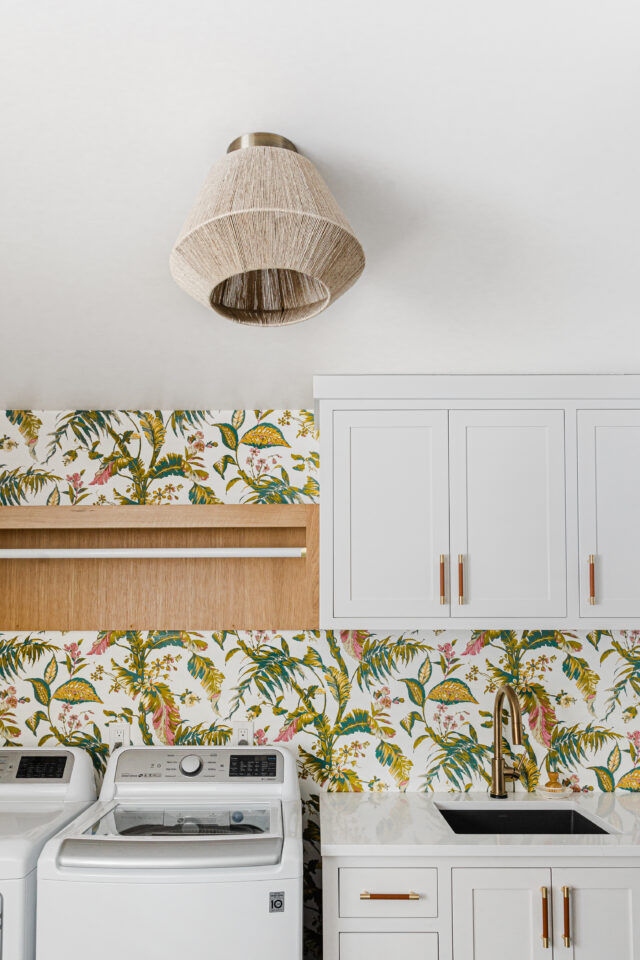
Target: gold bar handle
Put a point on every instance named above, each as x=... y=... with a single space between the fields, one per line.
x=443 y=594
x=592 y=578
x=365 y=895
x=460 y=578
x=545 y=917
x=566 y=936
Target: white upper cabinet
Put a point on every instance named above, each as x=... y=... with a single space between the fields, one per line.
x=391 y=514
x=521 y=477
x=609 y=512
x=507 y=513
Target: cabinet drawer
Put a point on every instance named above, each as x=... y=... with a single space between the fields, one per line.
x=382 y=946
x=354 y=883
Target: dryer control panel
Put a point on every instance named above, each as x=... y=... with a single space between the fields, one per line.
x=23 y=766
x=211 y=764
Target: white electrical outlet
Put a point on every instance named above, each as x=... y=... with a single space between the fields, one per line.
x=119 y=735
x=242 y=733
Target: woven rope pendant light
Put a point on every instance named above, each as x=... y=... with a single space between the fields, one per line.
x=266 y=243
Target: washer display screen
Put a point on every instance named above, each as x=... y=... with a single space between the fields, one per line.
x=41 y=768
x=252 y=765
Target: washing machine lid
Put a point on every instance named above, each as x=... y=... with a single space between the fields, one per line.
x=24 y=830
x=179 y=836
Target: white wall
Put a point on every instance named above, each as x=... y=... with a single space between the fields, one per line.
x=487 y=153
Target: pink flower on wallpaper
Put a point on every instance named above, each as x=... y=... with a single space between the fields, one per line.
x=196 y=442
x=75 y=480
x=635 y=739
x=474 y=647
x=101 y=644
x=103 y=475
x=353 y=641
x=260 y=738
x=288 y=732
x=73 y=650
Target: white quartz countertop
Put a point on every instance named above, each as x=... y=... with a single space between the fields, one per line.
x=410 y=824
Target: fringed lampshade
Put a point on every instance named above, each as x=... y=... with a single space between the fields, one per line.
x=266 y=243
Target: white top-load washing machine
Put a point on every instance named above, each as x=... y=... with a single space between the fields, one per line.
x=40 y=791
x=191 y=852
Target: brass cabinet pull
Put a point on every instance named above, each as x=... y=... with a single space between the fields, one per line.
x=592 y=578
x=365 y=895
x=566 y=937
x=545 y=917
x=443 y=595
x=460 y=578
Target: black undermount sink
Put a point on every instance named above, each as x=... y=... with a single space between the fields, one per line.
x=519 y=821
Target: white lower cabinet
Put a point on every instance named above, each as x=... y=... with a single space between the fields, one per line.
x=603 y=913
x=388 y=946
x=458 y=911
x=389 y=892
x=498 y=914
x=592 y=913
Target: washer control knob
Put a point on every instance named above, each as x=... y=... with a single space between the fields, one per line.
x=191 y=765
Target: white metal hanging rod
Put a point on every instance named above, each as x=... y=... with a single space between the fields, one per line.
x=152 y=553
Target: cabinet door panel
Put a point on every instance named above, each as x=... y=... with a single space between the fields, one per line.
x=508 y=512
x=498 y=914
x=390 y=512
x=609 y=510
x=604 y=914
x=384 y=946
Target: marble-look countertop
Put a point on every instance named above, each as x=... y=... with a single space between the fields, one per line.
x=409 y=824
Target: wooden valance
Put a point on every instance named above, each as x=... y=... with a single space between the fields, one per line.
x=160 y=593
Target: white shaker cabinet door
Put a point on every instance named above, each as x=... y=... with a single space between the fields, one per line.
x=391 y=513
x=609 y=511
x=603 y=918
x=507 y=513
x=497 y=914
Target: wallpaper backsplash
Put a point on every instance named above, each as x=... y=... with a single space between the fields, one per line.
x=363 y=711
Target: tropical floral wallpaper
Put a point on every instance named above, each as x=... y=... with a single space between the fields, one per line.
x=362 y=711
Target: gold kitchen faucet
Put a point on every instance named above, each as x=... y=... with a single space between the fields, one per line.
x=500 y=772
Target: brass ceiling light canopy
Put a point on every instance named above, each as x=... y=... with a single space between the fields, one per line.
x=266 y=243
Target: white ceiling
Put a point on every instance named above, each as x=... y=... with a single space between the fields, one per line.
x=487 y=154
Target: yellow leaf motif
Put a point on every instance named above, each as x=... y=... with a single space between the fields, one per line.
x=630 y=781
x=77 y=691
x=264 y=435
x=52 y=671
x=424 y=672
x=615 y=759
x=451 y=691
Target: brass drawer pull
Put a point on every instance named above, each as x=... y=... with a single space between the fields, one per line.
x=365 y=895
x=443 y=595
x=545 y=917
x=592 y=578
x=461 y=578
x=566 y=937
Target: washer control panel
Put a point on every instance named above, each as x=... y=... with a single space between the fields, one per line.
x=210 y=764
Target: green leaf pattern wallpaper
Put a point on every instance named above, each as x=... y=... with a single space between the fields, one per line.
x=362 y=711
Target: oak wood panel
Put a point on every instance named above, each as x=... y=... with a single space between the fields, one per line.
x=141 y=594
x=201 y=515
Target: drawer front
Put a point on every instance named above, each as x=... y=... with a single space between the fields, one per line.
x=383 y=946
x=357 y=885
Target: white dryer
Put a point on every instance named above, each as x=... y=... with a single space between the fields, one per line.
x=40 y=791
x=191 y=852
